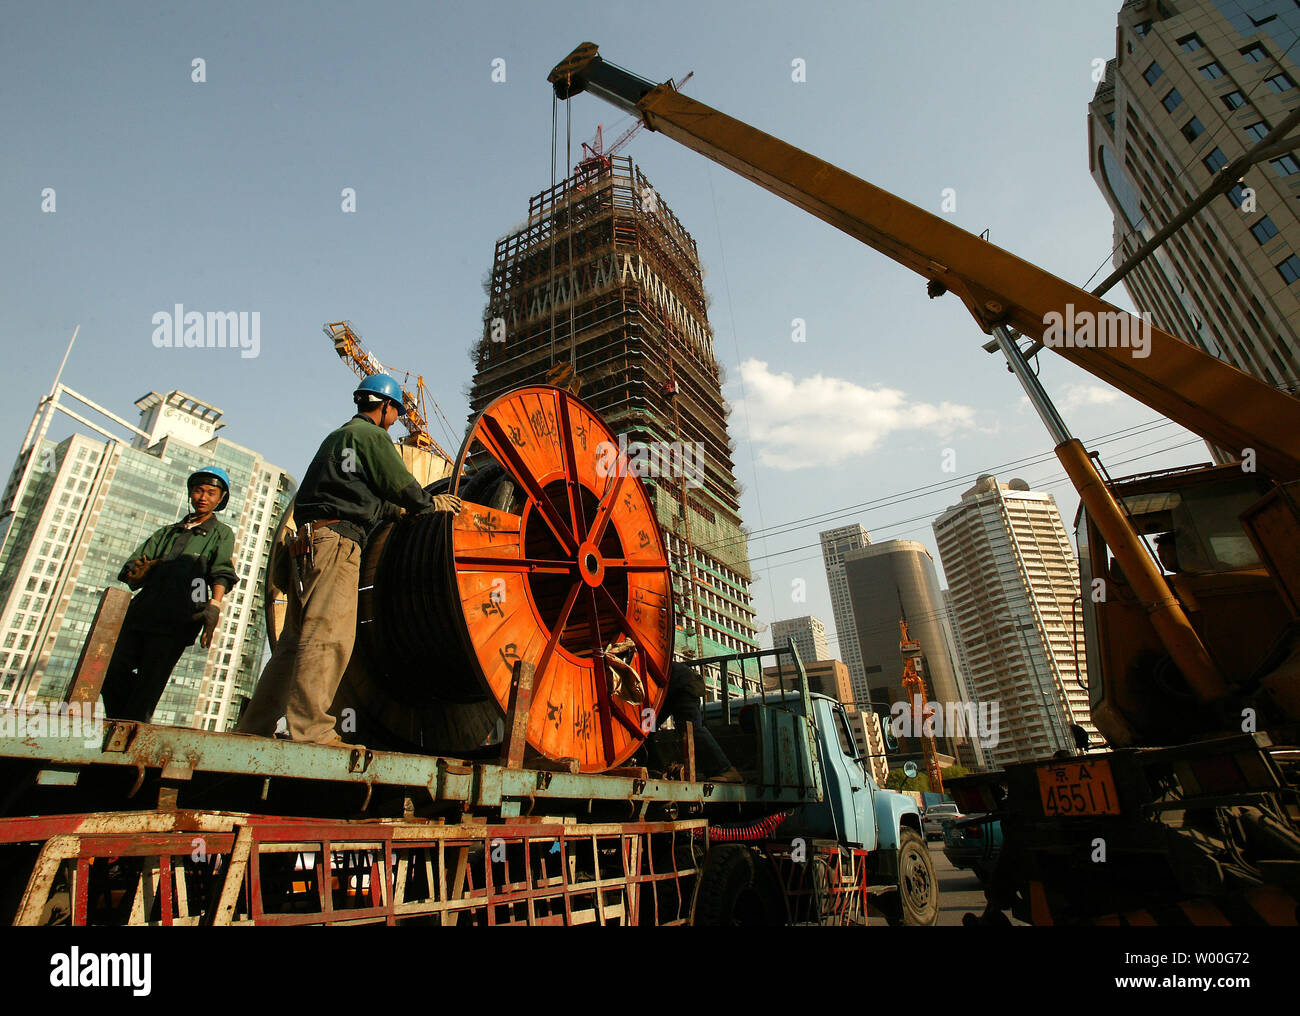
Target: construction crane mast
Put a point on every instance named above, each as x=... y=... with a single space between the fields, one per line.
x=914 y=690
x=363 y=363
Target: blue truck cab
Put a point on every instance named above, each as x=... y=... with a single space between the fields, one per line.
x=796 y=749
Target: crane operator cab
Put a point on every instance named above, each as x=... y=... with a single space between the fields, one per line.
x=1192 y=520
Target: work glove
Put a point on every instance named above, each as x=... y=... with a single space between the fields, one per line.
x=444 y=503
x=628 y=687
x=137 y=569
x=623 y=680
x=210 y=615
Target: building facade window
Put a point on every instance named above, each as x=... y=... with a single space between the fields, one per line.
x=1264 y=230
x=1152 y=73
x=1257 y=131
x=1193 y=129
x=1286 y=166
x=1289 y=269
x=1255 y=53
x=1280 y=83
x=1212 y=71
x=1190 y=43
x=1234 y=99
x=1215 y=161
x=1172 y=101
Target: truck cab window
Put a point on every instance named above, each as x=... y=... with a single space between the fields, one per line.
x=845 y=734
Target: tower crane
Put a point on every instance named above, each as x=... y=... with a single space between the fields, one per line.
x=914 y=690
x=347 y=343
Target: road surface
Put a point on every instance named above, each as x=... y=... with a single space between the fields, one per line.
x=960 y=892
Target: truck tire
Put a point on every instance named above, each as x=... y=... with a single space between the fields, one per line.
x=917 y=900
x=738 y=889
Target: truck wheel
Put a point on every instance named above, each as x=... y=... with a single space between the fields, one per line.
x=737 y=889
x=917 y=899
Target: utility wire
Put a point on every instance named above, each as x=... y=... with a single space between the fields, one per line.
x=838 y=514
x=1060 y=477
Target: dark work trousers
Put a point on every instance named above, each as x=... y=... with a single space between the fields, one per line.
x=138 y=672
x=685 y=708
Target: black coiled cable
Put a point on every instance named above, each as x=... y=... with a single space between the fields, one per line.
x=413 y=633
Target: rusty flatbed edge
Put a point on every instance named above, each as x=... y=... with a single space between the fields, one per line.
x=183 y=752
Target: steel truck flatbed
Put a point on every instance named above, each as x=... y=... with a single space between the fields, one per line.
x=135 y=763
x=131 y=823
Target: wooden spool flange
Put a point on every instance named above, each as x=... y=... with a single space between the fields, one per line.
x=575 y=562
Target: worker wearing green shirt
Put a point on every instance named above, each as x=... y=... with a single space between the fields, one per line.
x=355 y=475
x=182 y=573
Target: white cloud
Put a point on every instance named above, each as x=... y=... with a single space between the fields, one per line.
x=824 y=421
x=1081 y=396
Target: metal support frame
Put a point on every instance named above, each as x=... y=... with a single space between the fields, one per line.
x=225 y=869
x=828 y=887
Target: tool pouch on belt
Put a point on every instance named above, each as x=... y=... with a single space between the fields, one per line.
x=294 y=558
x=299 y=544
x=281 y=570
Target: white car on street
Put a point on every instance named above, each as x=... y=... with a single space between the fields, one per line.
x=935 y=816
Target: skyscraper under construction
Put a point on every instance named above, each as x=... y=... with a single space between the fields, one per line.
x=601 y=291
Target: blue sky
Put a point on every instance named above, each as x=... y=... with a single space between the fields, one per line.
x=226 y=195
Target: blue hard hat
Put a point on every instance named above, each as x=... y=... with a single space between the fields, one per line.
x=382 y=386
x=212 y=473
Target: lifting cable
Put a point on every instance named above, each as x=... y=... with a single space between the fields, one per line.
x=550 y=279
x=568 y=222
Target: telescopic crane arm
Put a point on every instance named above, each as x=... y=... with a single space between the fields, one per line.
x=1219 y=402
x=1222 y=404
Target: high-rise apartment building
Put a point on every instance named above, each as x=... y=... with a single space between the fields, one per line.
x=77 y=508
x=1013 y=579
x=894 y=581
x=825 y=677
x=835 y=544
x=1194 y=84
x=957 y=652
x=602 y=290
x=958 y=649
x=809 y=636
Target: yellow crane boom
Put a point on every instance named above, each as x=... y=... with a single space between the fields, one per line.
x=1003 y=292
x=1219 y=402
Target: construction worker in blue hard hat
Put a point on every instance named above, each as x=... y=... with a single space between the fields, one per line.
x=355 y=475
x=182 y=573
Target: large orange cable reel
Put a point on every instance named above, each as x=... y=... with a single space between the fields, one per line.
x=576 y=562
x=580 y=565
